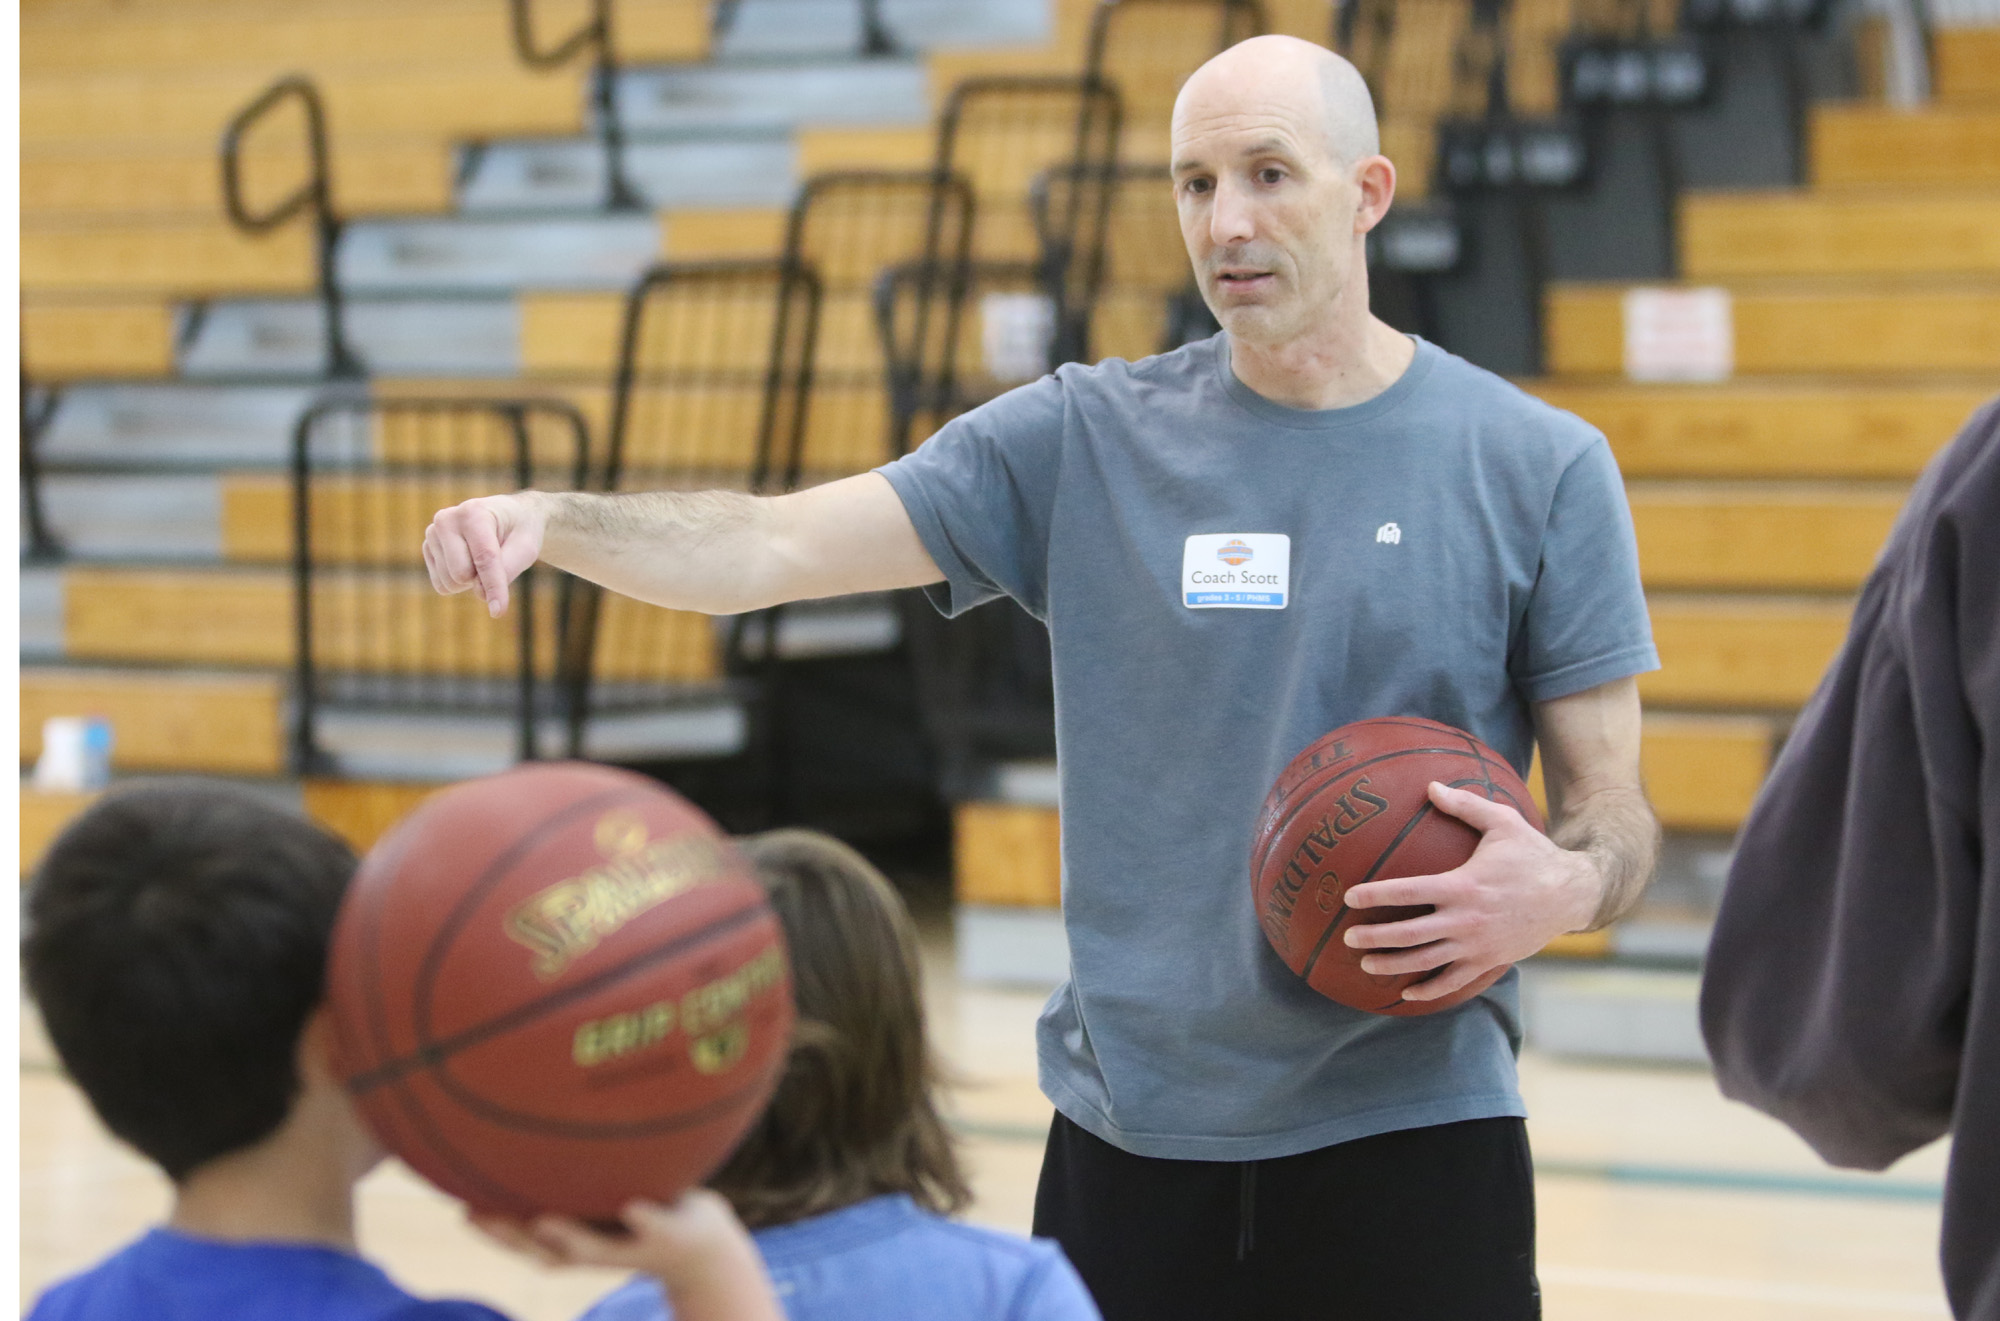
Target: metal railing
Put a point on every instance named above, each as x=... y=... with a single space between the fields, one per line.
x=859 y=232
x=371 y=635
x=38 y=409
x=595 y=35
x=314 y=195
x=1001 y=132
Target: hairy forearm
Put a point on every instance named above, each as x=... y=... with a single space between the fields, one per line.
x=687 y=550
x=1615 y=828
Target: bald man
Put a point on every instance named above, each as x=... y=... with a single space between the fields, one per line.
x=1406 y=534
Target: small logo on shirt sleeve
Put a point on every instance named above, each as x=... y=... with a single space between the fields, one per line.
x=1389 y=535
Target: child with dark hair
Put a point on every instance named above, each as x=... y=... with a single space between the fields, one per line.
x=847 y=1178
x=177 y=942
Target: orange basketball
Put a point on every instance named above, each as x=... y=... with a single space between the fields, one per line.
x=557 y=989
x=1353 y=807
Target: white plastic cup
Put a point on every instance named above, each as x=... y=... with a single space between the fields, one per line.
x=76 y=755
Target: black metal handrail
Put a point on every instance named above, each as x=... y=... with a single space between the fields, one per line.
x=596 y=36
x=1072 y=237
x=405 y=689
x=315 y=194
x=38 y=409
x=914 y=380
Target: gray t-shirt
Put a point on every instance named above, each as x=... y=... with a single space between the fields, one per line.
x=1224 y=580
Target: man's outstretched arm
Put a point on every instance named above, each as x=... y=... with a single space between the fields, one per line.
x=719 y=552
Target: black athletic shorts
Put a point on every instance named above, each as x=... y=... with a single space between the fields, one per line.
x=1426 y=1224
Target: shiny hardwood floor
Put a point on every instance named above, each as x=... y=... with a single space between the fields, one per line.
x=1658 y=1199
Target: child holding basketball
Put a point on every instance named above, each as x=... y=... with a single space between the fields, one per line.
x=177 y=942
x=847 y=1178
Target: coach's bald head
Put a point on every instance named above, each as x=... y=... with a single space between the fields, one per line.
x=1287 y=74
x=1278 y=177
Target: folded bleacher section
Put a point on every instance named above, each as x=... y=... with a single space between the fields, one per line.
x=848 y=229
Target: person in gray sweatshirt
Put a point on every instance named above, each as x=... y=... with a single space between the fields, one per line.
x=1852 y=988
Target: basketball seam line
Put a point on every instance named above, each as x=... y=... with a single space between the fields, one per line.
x=1277 y=828
x=423 y=987
x=1381 y=861
x=1313 y=959
x=436 y=1052
x=379 y=1031
x=606 y=1130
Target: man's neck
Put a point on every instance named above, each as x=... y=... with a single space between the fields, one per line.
x=1338 y=368
x=293 y=1187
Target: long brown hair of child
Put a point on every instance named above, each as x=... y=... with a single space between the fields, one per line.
x=853 y=1116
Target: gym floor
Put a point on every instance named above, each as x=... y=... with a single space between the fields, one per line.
x=1658 y=1199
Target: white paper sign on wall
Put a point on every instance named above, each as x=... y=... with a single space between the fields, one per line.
x=1679 y=335
x=1014 y=332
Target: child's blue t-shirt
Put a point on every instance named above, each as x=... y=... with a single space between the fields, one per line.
x=169 y=1276
x=886 y=1260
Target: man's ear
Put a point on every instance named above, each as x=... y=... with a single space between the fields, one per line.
x=1375 y=178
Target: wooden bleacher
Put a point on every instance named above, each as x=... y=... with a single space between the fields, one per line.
x=244 y=617
x=1944 y=143
x=1967 y=65
x=1866 y=318
x=1758 y=502
x=174 y=36
x=1804 y=428
x=1893 y=231
x=86 y=338
x=118 y=184
x=1941 y=325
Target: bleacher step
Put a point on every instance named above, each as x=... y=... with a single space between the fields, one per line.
x=161 y=720
x=1901 y=231
x=1868 y=143
x=173 y=426
x=815 y=27
x=141 y=517
x=1787 y=428
x=1857 y=326
x=41 y=612
x=1613 y=1013
x=463 y=336
x=781 y=95
x=484 y=255
x=1745 y=652
x=753 y=169
x=1761 y=535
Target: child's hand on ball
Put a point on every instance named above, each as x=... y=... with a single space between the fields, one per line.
x=695 y=1247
